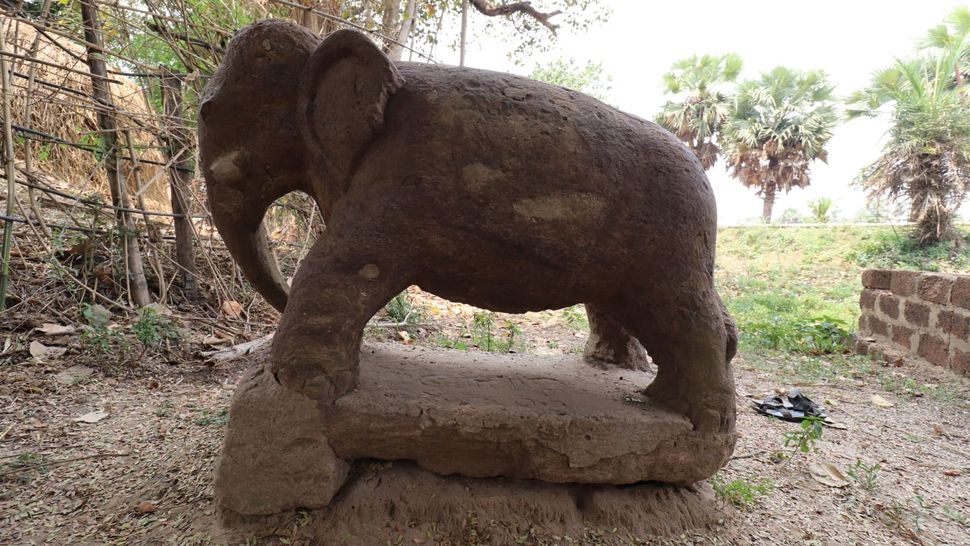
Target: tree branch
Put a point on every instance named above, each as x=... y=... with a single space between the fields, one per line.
x=525 y=8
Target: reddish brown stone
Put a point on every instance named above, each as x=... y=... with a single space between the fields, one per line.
x=889 y=305
x=935 y=287
x=960 y=295
x=903 y=336
x=917 y=314
x=864 y=323
x=960 y=362
x=878 y=327
x=904 y=283
x=954 y=323
x=876 y=278
x=934 y=349
x=867 y=300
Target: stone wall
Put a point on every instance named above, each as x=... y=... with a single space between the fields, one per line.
x=917 y=314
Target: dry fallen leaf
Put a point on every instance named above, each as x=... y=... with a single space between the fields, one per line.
x=91 y=417
x=938 y=430
x=51 y=329
x=405 y=337
x=952 y=473
x=232 y=309
x=145 y=507
x=880 y=401
x=42 y=352
x=828 y=474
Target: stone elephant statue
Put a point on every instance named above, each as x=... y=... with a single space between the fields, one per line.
x=480 y=187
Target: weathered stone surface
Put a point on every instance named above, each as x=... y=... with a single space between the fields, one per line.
x=934 y=287
x=554 y=419
x=955 y=323
x=903 y=336
x=960 y=293
x=275 y=456
x=934 y=349
x=904 y=283
x=876 y=278
x=867 y=300
x=917 y=314
x=878 y=327
x=889 y=305
x=960 y=362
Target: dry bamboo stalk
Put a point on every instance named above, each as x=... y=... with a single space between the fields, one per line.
x=106 y=121
x=184 y=242
x=10 y=170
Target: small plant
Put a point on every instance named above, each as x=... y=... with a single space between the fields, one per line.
x=152 y=328
x=740 y=492
x=483 y=325
x=401 y=309
x=575 y=317
x=96 y=332
x=803 y=439
x=821 y=209
x=512 y=331
x=864 y=475
x=209 y=418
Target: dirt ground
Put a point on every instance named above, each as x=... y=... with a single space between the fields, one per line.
x=141 y=471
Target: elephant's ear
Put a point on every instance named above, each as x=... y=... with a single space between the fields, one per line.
x=344 y=88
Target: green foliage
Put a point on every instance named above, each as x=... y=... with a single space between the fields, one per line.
x=821 y=209
x=778 y=125
x=900 y=250
x=151 y=328
x=96 y=334
x=802 y=439
x=703 y=102
x=575 y=317
x=864 y=475
x=483 y=324
x=587 y=78
x=790 y=216
x=402 y=309
x=824 y=335
x=740 y=492
x=213 y=419
x=926 y=161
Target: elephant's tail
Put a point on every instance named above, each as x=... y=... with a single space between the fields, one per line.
x=732 y=332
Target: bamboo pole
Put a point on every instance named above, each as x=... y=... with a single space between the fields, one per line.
x=177 y=139
x=10 y=170
x=108 y=126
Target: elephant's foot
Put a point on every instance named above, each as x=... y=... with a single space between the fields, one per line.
x=322 y=374
x=609 y=344
x=708 y=401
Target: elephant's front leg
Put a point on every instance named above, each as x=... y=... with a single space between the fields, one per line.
x=337 y=289
x=610 y=343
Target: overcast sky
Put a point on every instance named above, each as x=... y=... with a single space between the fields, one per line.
x=849 y=39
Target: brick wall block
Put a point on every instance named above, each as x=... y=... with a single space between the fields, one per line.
x=889 y=305
x=960 y=295
x=934 y=287
x=917 y=314
x=955 y=323
x=903 y=336
x=878 y=327
x=867 y=301
x=960 y=362
x=904 y=283
x=934 y=349
x=876 y=278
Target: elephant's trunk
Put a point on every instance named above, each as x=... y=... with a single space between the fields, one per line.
x=245 y=236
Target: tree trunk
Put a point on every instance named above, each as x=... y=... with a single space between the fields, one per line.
x=109 y=139
x=769 y=202
x=396 y=49
x=177 y=140
x=464 y=32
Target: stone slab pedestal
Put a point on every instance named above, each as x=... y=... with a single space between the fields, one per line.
x=554 y=419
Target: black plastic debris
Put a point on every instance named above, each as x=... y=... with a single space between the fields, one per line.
x=790 y=405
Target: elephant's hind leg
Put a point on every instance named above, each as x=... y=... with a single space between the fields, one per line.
x=687 y=339
x=339 y=286
x=611 y=344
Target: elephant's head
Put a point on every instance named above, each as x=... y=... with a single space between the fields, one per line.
x=286 y=112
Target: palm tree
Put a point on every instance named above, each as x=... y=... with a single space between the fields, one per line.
x=777 y=126
x=952 y=36
x=703 y=105
x=927 y=158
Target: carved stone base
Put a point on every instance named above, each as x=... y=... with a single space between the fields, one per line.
x=554 y=419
